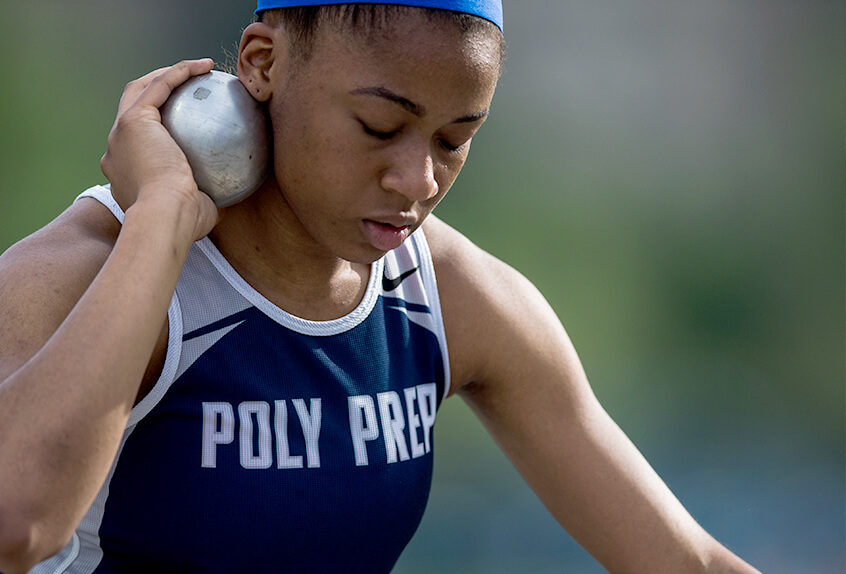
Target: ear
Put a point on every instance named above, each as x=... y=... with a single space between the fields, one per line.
x=263 y=50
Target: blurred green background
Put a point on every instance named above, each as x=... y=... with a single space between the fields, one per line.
x=670 y=173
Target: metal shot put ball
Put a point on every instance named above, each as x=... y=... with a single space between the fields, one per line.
x=224 y=133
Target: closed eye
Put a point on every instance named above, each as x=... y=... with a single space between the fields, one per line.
x=377 y=134
x=452 y=148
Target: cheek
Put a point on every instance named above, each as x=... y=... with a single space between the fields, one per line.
x=286 y=132
x=304 y=149
x=449 y=173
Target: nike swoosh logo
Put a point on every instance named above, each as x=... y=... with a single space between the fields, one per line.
x=391 y=284
x=234 y=319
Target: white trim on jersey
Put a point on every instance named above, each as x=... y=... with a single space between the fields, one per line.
x=435 y=305
x=168 y=374
x=297 y=324
x=103 y=194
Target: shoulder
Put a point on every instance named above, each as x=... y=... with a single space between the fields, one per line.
x=84 y=219
x=75 y=243
x=44 y=275
x=469 y=276
x=493 y=315
x=452 y=251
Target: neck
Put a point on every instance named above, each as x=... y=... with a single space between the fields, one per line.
x=266 y=244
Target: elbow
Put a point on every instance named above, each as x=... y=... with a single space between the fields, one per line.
x=721 y=560
x=23 y=544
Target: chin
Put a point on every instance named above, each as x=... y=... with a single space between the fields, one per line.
x=364 y=254
x=366 y=259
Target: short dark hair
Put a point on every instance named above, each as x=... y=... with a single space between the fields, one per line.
x=302 y=22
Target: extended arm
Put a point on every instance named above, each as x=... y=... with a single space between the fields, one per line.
x=515 y=366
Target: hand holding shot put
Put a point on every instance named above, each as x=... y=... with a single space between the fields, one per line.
x=275 y=374
x=143 y=158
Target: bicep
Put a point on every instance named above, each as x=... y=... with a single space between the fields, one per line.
x=41 y=279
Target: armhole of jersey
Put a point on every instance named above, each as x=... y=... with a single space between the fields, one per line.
x=171 y=365
x=432 y=289
x=74 y=552
x=103 y=194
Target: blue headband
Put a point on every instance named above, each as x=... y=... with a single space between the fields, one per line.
x=488 y=9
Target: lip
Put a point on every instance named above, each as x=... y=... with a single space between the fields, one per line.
x=402 y=219
x=386 y=233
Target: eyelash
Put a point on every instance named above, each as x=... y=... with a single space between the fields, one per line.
x=377 y=134
x=385 y=136
x=451 y=148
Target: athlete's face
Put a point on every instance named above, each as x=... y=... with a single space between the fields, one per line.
x=370 y=133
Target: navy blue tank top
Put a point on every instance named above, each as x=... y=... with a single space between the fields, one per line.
x=271 y=443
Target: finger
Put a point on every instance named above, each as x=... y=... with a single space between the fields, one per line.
x=134 y=88
x=158 y=90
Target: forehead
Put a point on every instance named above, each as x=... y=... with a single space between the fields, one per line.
x=442 y=68
x=392 y=34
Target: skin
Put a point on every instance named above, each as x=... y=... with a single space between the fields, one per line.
x=89 y=297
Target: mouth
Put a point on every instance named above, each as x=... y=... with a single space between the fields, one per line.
x=385 y=236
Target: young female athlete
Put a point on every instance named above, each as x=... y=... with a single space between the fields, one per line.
x=254 y=389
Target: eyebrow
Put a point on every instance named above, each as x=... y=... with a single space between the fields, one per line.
x=409 y=106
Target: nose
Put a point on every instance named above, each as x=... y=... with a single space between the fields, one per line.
x=412 y=174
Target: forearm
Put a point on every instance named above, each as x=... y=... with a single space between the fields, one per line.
x=602 y=490
x=623 y=512
x=63 y=413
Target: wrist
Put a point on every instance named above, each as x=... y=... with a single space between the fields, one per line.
x=171 y=218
